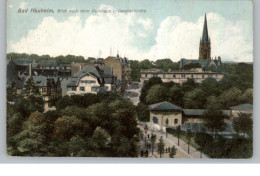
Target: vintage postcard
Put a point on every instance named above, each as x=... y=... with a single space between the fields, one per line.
x=130 y=78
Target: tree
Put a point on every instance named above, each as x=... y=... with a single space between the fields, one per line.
x=248 y=96
x=210 y=87
x=231 y=97
x=203 y=140
x=176 y=95
x=143 y=112
x=67 y=126
x=135 y=70
x=244 y=124
x=11 y=92
x=194 y=99
x=77 y=146
x=152 y=81
x=31 y=89
x=153 y=140
x=156 y=94
x=214 y=120
x=160 y=147
x=31 y=140
x=100 y=140
x=189 y=85
x=173 y=152
x=191 y=65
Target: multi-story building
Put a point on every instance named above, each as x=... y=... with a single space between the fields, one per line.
x=49 y=87
x=180 y=76
x=121 y=69
x=50 y=68
x=92 y=79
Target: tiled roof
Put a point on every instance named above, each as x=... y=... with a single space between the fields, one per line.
x=88 y=70
x=48 y=63
x=164 y=106
x=200 y=112
x=41 y=81
x=205 y=64
x=22 y=61
x=243 y=107
x=107 y=71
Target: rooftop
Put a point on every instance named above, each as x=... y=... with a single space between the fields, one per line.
x=164 y=106
x=243 y=107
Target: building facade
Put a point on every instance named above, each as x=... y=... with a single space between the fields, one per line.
x=179 y=76
x=121 y=70
x=92 y=79
x=167 y=115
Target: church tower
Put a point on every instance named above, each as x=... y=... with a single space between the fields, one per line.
x=205 y=49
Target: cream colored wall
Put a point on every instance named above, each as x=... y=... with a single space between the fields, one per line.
x=178 y=79
x=162 y=116
x=87 y=86
x=193 y=120
x=235 y=113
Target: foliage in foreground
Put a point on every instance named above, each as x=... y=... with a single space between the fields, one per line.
x=105 y=128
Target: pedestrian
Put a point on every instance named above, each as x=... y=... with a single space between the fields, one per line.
x=146 y=153
x=142 y=153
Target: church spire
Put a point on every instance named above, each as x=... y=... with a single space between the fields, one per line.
x=205 y=48
x=205 y=36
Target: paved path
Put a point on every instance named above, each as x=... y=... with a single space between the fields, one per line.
x=170 y=141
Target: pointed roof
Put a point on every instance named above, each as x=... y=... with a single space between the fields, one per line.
x=164 y=106
x=205 y=36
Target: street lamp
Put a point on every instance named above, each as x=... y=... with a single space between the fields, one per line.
x=145 y=130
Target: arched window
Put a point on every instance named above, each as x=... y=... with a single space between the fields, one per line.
x=155 y=120
x=166 y=121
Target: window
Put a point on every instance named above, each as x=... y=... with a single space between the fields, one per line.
x=216 y=76
x=183 y=76
x=87 y=82
x=175 y=121
x=146 y=75
x=44 y=89
x=155 y=120
x=71 y=89
x=164 y=75
x=174 y=76
x=107 y=88
x=94 y=89
x=202 y=76
x=154 y=75
x=82 y=88
x=191 y=76
x=166 y=121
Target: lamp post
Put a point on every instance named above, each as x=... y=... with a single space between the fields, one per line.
x=189 y=136
x=145 y=130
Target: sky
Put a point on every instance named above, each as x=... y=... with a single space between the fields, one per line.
x=169 y=29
